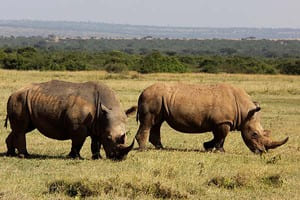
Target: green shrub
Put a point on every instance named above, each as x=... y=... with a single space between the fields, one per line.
x=290 y=67
x=156 y=62
x=74 y=66
x=116 y=67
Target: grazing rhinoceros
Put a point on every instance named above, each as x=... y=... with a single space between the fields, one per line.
x=63 y=110
x=200 y=108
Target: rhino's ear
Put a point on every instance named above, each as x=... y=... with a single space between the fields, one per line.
x=104 y=108
x=256 y=104
x=130 y=111
x=252 y=112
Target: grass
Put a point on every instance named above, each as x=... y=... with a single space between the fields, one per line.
x=182 y=171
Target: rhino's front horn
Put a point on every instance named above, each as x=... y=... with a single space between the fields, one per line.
x=274 y=144
x=125 y=150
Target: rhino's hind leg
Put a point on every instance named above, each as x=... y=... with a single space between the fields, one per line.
x=143 y=132
x=11 y=150
x=154 y=137
x=21 y=145
x=142 y=136
x=95 y=147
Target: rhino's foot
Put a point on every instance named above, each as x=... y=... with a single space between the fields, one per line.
x=219 y=150
x=74 y=155
x=96 y=156
x=142 y=149
x=11 y=153
x=209 y=149
x=159 y=146
x=208 y=146
x=23 y=155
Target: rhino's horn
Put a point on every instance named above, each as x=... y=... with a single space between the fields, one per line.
x=274 y=144
x=125 y=150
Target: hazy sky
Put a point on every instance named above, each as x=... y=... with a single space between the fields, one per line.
x=196 y=13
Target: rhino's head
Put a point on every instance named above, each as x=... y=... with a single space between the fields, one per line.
x=255 y=137
x=114 y=133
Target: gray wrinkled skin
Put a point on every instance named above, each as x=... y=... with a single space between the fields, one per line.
x=199 y=108
x=63 y=110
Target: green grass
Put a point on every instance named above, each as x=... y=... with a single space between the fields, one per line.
x=182 y=171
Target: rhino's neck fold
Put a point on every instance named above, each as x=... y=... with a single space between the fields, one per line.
x=238 y=115
x=96 y=128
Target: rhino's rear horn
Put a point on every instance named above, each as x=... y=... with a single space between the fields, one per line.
x=275 y=144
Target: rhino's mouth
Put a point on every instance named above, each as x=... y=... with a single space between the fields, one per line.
x=267 y=144
x=120 y=152
x=259 y=150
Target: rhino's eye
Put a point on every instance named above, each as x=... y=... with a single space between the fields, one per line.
x=254 y=135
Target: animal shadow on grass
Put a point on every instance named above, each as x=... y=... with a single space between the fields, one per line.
x=41 y=157
x=173 y=149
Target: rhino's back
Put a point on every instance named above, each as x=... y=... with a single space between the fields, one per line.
x=54 y=107
x=194 y=108
x=86 y=91
x=200 y=107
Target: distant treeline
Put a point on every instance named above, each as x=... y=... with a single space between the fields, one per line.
x=29 y=58
x=147 y=56
x=249 y=48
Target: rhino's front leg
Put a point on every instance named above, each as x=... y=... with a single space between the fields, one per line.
x=95 y=147
x=154 y=137
x=78 y=137
x=208 y=146
x=220 y=132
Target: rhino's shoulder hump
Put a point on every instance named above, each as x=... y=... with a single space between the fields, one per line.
x=26 y=88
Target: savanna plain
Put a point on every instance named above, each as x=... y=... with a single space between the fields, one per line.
x=180 y=171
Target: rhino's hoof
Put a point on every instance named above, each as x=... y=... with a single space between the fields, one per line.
x=209 y=150
x=73 y=155
x=159 y=147
x=142 y=149
x=23 y=155
x=96 y=156
x=219 y=150
x=11 y=153
x=208 y=146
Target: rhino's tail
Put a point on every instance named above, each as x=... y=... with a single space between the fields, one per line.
x=5 y=124
x=137 y=116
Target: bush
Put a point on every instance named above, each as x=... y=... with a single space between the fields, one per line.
x=290 y=67
x=29 y=58
x=156 y=62
x=116 y=67
x=236 y=65
x=75 y=66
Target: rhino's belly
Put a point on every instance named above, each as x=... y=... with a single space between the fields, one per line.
x=54 y=133
x=52 y=129
x=185 y=115
x=188 y=126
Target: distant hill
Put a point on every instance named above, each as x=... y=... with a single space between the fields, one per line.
x=104 y=30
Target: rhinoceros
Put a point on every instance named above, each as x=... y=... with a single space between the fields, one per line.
x=196 y=108
x=64 y=110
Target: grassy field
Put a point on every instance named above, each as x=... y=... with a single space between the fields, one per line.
x=181 y=171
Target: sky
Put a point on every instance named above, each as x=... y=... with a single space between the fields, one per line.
x=185 y=13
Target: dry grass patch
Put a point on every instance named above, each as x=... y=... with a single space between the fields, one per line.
x=180 y=171
x=228 y=182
